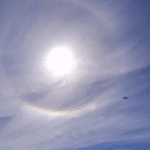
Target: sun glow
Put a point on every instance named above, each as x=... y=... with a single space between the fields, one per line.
x=60 y=61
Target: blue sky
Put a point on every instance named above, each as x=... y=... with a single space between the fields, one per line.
x=46 y=106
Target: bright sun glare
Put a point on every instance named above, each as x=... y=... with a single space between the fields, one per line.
x=60 y=61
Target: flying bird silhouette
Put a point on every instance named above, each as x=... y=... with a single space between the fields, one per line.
x=125 y=97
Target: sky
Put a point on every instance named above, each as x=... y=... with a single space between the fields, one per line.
x=65 y=66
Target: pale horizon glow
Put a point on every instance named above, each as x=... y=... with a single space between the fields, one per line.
x=60 y=61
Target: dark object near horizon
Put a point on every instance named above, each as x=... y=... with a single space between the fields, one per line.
x=125 y=98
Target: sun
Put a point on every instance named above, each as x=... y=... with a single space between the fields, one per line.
x=60 y=61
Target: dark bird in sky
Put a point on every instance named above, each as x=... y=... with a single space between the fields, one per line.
x=125 y=97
